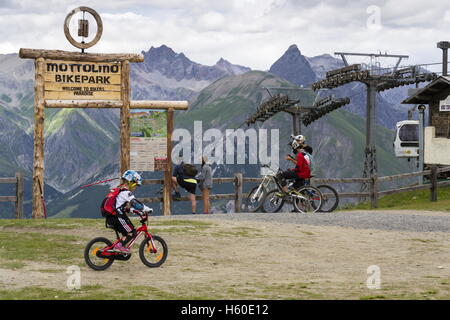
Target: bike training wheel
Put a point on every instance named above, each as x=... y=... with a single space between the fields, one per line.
x=149 y=257
x=273 y=201
x=255 y=199
x=307 y=199
x=90 y=254
x=330 y=198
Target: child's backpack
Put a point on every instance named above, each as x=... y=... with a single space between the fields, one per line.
x=108 y=206
x=190 y=170
x=310 y=160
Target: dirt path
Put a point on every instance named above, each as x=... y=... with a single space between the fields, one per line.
x=265 y=260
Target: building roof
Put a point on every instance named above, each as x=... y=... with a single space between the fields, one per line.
x=436 y=90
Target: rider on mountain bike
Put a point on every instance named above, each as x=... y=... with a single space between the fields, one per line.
x=301 y=172
x=126 y=202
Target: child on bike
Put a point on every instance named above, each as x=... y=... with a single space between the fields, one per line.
x=301 y=173
x=126 y=202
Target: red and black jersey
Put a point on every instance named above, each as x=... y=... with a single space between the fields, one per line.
x=302 y=168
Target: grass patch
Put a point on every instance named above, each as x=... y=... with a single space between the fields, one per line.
x=12 y=265
x=63 y=224
x=92 y=292
x=170 y=223
x=431 y=292
x=56 y=248
x=240 y=232
x=178 y=226
x=293 y=290
x=412 y=200
x=423 y=240
x=374 y=297
x=49 y=270
x=169 y=226
x=39 y=293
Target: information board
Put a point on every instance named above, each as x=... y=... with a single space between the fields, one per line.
x=148 y=142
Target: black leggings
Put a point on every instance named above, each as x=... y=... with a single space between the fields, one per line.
x=291 y=175
x=122 y=224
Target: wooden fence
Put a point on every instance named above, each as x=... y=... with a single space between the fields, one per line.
x=18 y=198
x=373 y=185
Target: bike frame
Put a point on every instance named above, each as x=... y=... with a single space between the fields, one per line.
x=140 y=231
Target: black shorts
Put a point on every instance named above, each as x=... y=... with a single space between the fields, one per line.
x=121 y=223
x=188 y=186
x=291 y=175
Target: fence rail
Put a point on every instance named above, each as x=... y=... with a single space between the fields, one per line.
x=18 y=198
x=238 y=180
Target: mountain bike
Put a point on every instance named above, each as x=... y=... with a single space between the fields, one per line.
x=99 y=253
x=306 y=199
x=256 y=196
x=330 y=197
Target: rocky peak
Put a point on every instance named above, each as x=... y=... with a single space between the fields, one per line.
x=323 y=63
x=231 y=69
x=177 y=66
x=294 y=67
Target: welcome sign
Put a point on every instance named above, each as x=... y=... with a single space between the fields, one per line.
x=444 y=105
x=74 y=80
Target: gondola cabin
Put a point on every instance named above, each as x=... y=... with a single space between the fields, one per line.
x=406 y=143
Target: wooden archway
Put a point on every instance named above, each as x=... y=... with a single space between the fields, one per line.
x=88 y=70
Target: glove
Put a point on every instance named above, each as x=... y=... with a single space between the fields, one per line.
x=135 y=211
x=147 y=209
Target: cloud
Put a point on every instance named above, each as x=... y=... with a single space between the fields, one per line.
x=211 y=21
x=246 y=32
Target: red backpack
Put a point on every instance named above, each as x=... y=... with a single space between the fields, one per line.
x=108 y=206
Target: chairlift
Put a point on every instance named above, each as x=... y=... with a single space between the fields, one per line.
x=406 y=143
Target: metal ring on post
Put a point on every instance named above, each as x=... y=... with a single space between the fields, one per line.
x=98 y=35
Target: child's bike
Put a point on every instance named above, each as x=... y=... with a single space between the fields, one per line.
x=99 y=253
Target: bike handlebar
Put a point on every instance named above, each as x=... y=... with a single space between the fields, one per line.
x=143 y=215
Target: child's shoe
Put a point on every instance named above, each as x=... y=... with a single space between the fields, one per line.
x=120 y=248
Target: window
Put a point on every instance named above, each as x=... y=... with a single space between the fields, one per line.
x=409 y=132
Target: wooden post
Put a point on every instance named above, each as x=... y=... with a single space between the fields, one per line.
x=374 y=191
x=238 y=179
x=167 y=195
x=125 y=118
x=38 y=161
x=19 y=195
x=433 y=190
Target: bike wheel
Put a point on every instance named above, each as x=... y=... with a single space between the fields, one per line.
x=273 y=201
x=153 y=257
x=92 y=259
x=255 y=199
x=307 y=199
x=330 y=198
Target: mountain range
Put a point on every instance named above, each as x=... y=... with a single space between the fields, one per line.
x=81 y=145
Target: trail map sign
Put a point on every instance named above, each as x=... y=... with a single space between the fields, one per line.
x=72 y=80
x=148 y=147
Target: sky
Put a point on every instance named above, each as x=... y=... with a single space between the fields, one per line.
x=252 y=33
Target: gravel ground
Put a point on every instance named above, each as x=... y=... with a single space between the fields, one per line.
x=381 y=220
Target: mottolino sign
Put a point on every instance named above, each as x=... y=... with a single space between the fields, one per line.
x=69 y=80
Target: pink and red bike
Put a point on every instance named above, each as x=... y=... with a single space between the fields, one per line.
x=99 y=253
